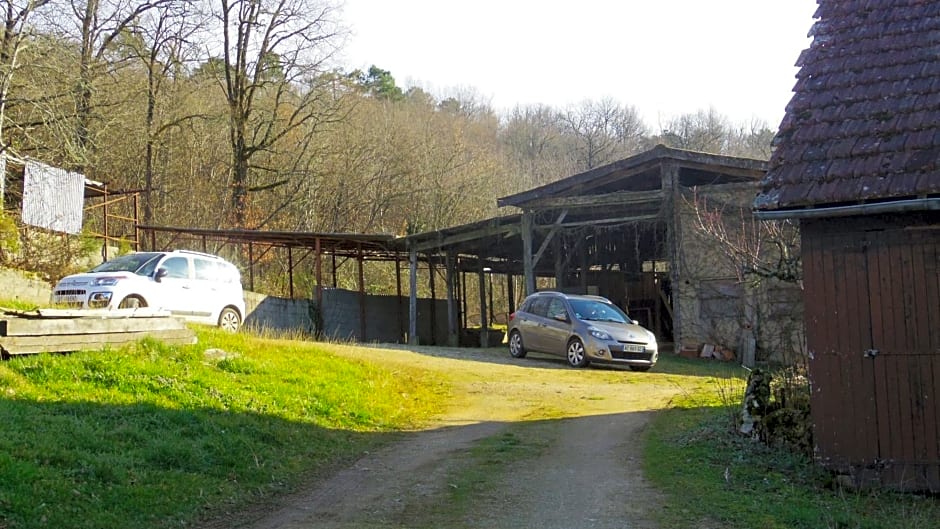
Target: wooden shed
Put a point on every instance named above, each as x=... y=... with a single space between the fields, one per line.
x=857 y=161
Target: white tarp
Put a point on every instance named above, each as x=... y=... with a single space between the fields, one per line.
x=53 y=198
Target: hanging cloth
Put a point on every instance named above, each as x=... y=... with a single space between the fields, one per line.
x=53 y=198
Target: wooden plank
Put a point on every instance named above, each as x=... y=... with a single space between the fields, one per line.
x=921 y=378
x=17 y=345
x=879 y=283
x=142 y=312
x=59 y=326
x=933 y=417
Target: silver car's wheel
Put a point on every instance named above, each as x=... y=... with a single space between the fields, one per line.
x=576 y=356
x=516 y=347
x=229 y=320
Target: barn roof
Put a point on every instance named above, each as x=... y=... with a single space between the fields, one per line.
x=643 y=172
x=863 y=125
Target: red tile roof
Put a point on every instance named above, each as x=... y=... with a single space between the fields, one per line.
x=864 y=120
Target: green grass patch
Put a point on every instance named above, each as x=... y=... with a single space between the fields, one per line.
x=713 y=477
x=155 y=436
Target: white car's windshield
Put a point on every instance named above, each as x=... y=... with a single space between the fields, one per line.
x=132 y=262
x=590 y=310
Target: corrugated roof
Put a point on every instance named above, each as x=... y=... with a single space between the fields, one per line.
x=864 y=121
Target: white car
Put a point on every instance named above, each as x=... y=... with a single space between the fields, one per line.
x=196 y=286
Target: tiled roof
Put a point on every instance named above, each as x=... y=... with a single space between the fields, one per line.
x=864 y=120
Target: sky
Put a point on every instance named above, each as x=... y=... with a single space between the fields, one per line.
x=664 y=57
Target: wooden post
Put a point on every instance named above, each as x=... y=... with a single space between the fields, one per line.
x=107 y=236
x=527 y=269
x=251 y=267
x=401 y=320
x=136 y=220
x=413 y=298
x=450 y=263
x=318 y=331
x=463 y=299
x=432 y=317
x=290 y=271
x=511 y=292
x=362 y=293
x=484 y=324
x=670 y=183
x=333 y=268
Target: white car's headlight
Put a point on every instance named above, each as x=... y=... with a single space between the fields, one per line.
x=599 y=334
x=105 y=281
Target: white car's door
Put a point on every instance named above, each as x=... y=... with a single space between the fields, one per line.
x=207 y=286
x=176 y=286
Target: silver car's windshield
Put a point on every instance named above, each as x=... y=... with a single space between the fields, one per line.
x=591 y=310
x=132 y=262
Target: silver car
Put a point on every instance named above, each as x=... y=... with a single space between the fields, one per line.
x=583 y=329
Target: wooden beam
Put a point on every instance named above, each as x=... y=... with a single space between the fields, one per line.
x=442 y=242
x=618 y=198
x=548 y=238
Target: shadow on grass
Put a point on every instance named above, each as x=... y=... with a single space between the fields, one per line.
x=99 y=466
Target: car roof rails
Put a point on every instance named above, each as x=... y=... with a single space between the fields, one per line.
x=193 y=252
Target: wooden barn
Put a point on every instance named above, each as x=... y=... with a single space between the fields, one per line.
x=857 y=161
x=626 y=231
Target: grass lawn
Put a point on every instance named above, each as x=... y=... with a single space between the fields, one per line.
x=713 y=477
x=154 y=436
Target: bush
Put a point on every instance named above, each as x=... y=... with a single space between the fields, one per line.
x=776 y=409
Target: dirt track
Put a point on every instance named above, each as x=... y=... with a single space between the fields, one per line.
x=586 y=475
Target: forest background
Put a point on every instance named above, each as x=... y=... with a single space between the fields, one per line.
x=234 y=114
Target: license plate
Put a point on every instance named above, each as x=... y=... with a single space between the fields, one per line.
x=70 y=299
x=633 y=348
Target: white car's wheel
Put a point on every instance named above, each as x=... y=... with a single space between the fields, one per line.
x=229 y=319
x=132 y=302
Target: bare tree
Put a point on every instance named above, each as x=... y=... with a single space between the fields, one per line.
x=163 y=41
x=98 y=24
x=603 y=131
x=712 y=132
x=14 y=34
x=532 y=142
x=275 y=54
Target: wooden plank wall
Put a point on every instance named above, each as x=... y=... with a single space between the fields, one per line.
x=872 y=285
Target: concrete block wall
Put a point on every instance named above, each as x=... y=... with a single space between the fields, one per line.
x=386 y=317
x=278 y=314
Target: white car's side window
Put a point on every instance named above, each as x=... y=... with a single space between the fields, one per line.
x=176 y=267
x=206 y=270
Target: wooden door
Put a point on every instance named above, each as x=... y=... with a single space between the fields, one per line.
x=873 y=330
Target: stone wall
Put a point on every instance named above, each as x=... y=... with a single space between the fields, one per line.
x=714 y=306
x=18 y=286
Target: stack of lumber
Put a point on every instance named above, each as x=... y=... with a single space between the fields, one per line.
x=56 y=330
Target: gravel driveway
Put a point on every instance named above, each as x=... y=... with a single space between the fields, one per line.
x=586 y=475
